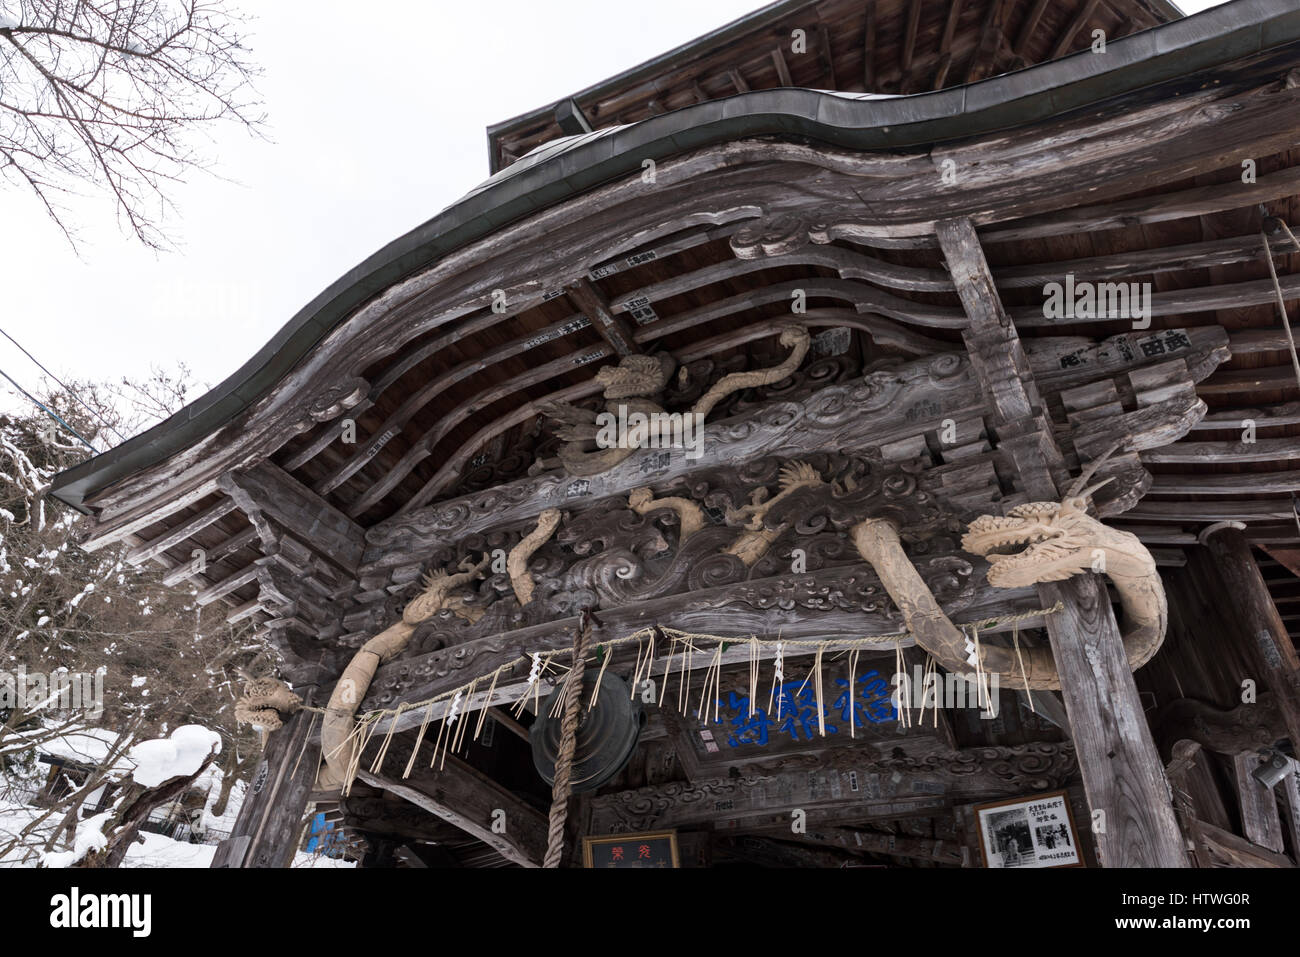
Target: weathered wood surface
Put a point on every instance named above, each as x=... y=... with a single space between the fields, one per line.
x=867 y=413
x=1259 y=816
x=902 y=846
x=177 y=534
x=269 y=824
x=1290 y=793
x=424 y=676
x=1122 y=773
x=1204 y=130
x=1224 y=849
x=856 y=787
x=462 y=796
x=852 y=47
x=266 y=491
x=1125 y=778
x=1261 y=626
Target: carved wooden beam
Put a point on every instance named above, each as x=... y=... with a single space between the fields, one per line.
x=765 y=609
x=394 y=816
x=1106 y=155
x=859 y=786
x=872 y=412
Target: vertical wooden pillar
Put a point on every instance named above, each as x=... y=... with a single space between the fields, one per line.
x=1133 y=816
x=270 y=821
x=1122 y=774
x=1270 y=644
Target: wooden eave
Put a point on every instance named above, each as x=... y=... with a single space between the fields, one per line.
x=1143 y=187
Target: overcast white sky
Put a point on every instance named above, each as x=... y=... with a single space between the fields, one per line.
x=377 y=117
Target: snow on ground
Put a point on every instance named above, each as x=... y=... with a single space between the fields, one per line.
x=157 y=851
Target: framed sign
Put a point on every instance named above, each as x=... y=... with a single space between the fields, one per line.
x=649 y=849
x=1029 y=832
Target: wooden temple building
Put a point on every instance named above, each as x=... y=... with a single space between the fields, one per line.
x=853 y=339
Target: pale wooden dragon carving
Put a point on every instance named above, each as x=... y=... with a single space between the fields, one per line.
x=756 y=539
x=266 y=703
x=631 y=385
x=440 y=591
x=690 y=517
x=517 y=561
x=1032 y=543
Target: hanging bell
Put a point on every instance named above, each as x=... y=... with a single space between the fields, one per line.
x=606 y=737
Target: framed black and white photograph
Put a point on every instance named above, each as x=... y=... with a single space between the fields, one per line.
x=1029 y=832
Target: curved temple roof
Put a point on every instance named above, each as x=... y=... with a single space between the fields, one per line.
x=569 y=167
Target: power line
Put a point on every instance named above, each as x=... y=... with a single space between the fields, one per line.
x=54 y=415
x=66 y=387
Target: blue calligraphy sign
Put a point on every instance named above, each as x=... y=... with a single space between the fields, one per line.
x=794 y=711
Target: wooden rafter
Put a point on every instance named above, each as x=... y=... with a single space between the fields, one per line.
x=591 y=302
x=1080 y=20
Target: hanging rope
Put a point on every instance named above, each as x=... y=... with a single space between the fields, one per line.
x=561 y=788
x=1281 y=299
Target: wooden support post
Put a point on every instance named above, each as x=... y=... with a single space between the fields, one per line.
x=270 y=821
x=1270 y=643
x=1122 y=773
x=1260 y=820
x=1290 y=790
x=460 y=795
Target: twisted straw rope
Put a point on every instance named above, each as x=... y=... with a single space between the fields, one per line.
x=370 y=717
x=367 y=725
x=561 y=785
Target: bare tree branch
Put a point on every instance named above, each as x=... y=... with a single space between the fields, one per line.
x=109 y=93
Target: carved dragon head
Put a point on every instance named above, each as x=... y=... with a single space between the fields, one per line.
x=1037 y=542
x=1044 y=541
x=636 y=376
x=438 y=586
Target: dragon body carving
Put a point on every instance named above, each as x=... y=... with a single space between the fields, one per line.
x=439 y=592
x=633 y=387
x=690 y=517
x=757 y=537
x=517 y=560
x=1032 y=543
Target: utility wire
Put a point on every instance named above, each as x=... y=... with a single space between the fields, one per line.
x=54 y=415
x=95 y=412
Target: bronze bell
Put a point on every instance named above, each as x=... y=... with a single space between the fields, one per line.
x=607 y=734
